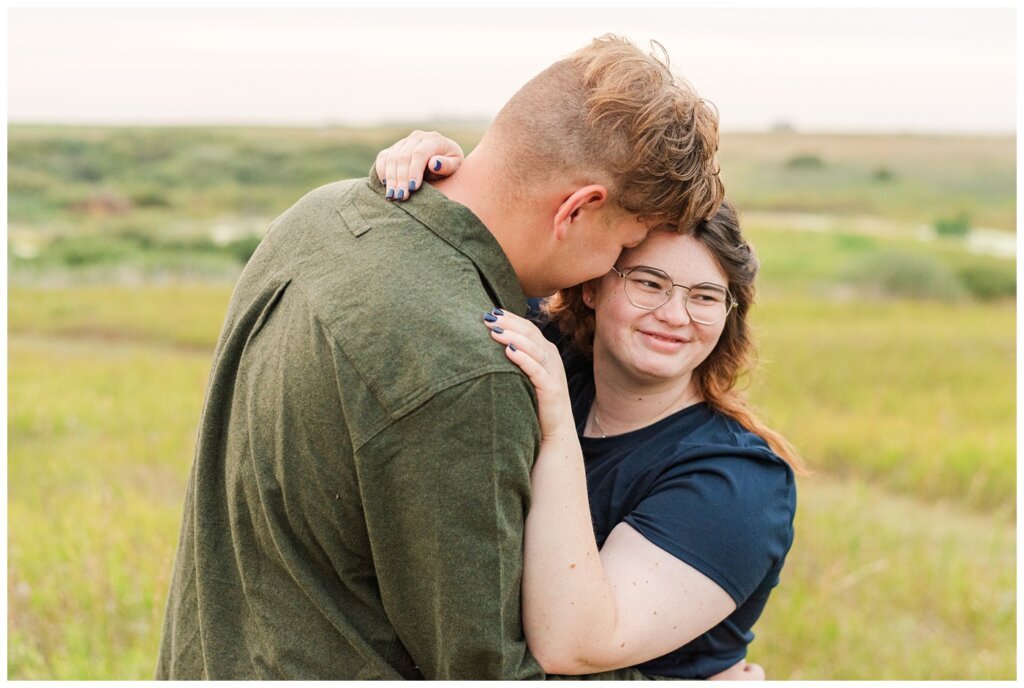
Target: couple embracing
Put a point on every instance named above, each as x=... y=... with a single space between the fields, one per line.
x=409 y=467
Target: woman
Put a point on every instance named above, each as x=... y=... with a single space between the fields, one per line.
x=662 y=507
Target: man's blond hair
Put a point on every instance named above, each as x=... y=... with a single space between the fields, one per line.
x=611 y=114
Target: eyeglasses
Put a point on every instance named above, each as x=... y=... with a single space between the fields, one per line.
x=651 y=288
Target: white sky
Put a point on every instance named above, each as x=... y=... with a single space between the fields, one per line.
x=921 y=70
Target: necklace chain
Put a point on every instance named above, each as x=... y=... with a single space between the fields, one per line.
x=597 y=421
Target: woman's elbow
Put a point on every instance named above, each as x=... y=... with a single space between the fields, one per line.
x=550 y=654
x=559 y=658
x=550 y=657
x=561 y=665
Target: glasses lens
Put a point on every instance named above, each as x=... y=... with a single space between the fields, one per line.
x=647 y=288
x=707 y=303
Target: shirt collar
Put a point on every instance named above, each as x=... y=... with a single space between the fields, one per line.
x=462 y=230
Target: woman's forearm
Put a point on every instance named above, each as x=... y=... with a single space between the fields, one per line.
x=569 y=611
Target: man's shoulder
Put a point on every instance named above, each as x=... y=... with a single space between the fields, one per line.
x=322 y=201
x=408 y=350
x=403 y=306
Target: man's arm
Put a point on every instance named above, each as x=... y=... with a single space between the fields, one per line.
x=445 y=492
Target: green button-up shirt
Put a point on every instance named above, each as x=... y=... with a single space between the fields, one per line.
x=355 y=509
x=356 y=504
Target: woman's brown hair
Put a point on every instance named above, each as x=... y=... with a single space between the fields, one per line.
x=734 y=355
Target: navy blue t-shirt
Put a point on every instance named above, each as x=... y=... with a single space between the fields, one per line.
x=704 y=489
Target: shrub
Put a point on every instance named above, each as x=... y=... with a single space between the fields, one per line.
x=805 y=162
x=882 y=174
x=144 y=240
x=989 y=283
x=953 y=226
x=150 y=198
x=243 y=248
x=90 y=250
x=905 y=275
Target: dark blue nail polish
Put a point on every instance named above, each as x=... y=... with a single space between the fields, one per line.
x=512 y=346
x=412 y=185
x=401 y=194
x=390 y=194
x=437 y=165
x=490 y=318
x=497 y=329
x=498 y=311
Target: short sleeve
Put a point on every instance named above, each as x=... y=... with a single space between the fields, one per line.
x=729 y=517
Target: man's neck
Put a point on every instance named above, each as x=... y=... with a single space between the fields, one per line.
x=479 y=186
x=471 y=188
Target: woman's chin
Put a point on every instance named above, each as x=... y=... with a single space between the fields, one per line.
x=653 y=369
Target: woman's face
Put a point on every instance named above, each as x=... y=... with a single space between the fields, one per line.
x=664 y=344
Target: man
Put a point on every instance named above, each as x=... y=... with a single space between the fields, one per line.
x=355 y=509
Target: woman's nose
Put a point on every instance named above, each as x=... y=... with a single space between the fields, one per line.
x=673 y=311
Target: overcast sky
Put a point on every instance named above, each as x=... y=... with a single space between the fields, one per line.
x=919 y=70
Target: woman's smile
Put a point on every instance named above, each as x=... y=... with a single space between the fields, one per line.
x=662 y=341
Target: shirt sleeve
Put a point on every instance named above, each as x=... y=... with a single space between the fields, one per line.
x=446 y=490
x=728 y=517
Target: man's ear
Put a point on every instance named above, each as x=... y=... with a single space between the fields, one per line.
x=583 y=200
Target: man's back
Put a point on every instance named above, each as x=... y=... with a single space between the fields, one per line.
x=356 y=503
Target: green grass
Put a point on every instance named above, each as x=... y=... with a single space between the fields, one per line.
x=88 y=176
x=919 y=397
x=905 y=410
x=930 y=177
x=842 y=265
x=882 y=587
x=904 y=563
x=180 y=314
x=100 y=438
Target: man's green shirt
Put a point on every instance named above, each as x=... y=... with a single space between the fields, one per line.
x=356 y=504
x=362 y=474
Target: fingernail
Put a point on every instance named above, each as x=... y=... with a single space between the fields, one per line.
x=437 y=165
x=490 y=318
x=390 y=195
x=401 y=194
x=512 y=346
x=412 y=185
x=498 y=311
x=497 y=329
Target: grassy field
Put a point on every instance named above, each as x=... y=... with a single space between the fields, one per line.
x=888 y=361
x=914 y=178
x=183 y=199
x=900 y=525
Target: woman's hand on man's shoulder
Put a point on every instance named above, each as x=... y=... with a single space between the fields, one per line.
x=404 y=165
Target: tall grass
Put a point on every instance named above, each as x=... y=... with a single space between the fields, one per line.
x=899 y=393
x=885 y=587
x=100 y=438
x=918 y=397
x=903 y=568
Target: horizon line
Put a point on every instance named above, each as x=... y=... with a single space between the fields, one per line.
x=473 y=123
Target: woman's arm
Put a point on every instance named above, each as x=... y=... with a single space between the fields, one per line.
x=586 y=611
